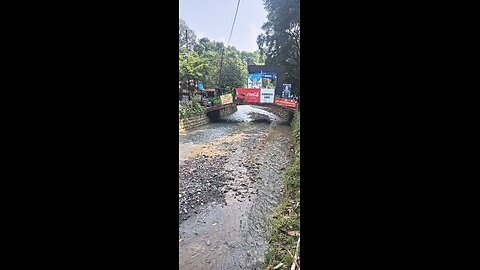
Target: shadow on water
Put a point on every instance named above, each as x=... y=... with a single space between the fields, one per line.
x=262 y=120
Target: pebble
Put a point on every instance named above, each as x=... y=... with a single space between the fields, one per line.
x=204 y=178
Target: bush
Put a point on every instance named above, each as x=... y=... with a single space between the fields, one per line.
x=191 y=109
x=215 y=100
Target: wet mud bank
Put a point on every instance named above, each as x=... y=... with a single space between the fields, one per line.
x=230 y=184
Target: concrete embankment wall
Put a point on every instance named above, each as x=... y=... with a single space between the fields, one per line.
x=192 y=122
x=284 y=113
x=222 y=112
x=227 y=111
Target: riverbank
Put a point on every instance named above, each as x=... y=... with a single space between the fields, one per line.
x=285 y=238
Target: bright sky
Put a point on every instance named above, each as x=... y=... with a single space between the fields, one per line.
x=213 y=19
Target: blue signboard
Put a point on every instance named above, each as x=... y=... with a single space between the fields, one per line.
x=200 y=86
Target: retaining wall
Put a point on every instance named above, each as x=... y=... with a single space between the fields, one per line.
x=192 y=122
x=221 y=111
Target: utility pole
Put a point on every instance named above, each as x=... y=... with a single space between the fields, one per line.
x=186 y=55
x=220 y=73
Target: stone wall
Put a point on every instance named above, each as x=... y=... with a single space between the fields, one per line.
x=284 y=113
x=217 y=113
x=227 y=111
x=192 y=122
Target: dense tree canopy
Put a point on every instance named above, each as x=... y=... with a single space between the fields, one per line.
x=202 y=63
x=234 y=71
x=192 y=69
x=281 y=38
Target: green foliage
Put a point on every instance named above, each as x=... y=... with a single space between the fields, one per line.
x=215 y=100
x=281 y=38
x=192 y=68
x=281 y=242
x=267 y=83
x=253 y=58
x=207 y=52
x=190 y=109
x=234 y=71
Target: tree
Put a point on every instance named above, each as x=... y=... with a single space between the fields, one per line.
x=281 y=38
x=248 y=57
x=186 y=36
x=213 y=68
x=203 y=64
x=259 y=57
x=192 y=68
x=205 y=45
x=234 y=71
x=234 y=68
x=253 y=58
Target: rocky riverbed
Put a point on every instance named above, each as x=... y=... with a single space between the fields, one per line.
x=228 y=187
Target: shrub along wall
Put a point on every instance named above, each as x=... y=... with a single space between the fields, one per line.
x=191 y=116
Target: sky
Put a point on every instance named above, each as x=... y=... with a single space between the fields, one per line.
x=214 y=18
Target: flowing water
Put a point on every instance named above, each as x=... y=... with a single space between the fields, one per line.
x=230 y=183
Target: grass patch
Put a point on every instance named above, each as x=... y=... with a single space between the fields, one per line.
x=285 y=221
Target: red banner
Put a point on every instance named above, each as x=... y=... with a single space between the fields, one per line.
x=248 y=95
x=286 y=102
